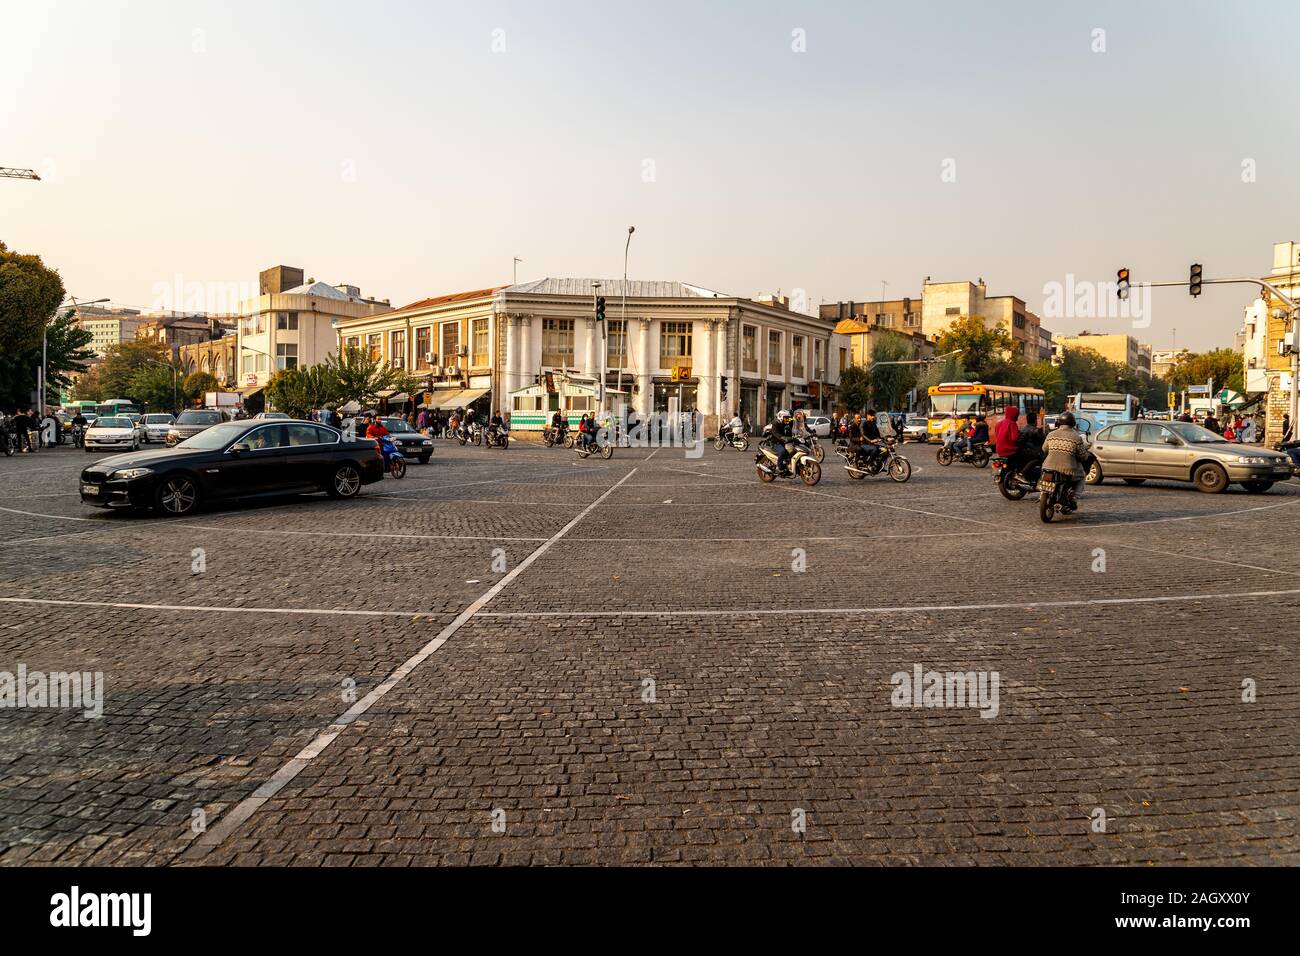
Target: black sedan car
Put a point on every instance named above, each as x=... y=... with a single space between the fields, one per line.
x=244 y=459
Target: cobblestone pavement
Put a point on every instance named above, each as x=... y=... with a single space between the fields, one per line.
x=519 y=657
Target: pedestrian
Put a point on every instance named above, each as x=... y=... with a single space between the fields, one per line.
x=1286 y=427
x=21 y=424
x=1248 y=430
x=1212 y=424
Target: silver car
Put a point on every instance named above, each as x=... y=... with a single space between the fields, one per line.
x=193 y=421
x=1181 y=451
x=156 y=426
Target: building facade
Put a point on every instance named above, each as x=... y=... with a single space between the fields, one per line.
x=942 y=303
x=217 y=357
x=287 y=326
x=1116 y=347
x=175 y=330
x=672 y=345
x=109 y=327
x=1267 y=323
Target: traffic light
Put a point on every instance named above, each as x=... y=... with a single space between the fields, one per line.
x=600 y=308
x=1123 y=276
x=1194 y=282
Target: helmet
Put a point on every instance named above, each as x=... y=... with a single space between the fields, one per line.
x=783 y=415
x=1065 y=419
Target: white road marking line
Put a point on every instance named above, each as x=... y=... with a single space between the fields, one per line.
x=227 y=824
x=893 y=609
x=359 y=534
x=37 y=514
x=214 y=609
x=48 y=537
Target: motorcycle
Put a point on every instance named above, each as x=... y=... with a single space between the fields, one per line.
x=1014 y=483
x=1055 y=494
x=497 y=437
x=800 y=464
x=394 y=463
x=595 y=447
x=818 y=452
x=78 y=436
x=888 y=460
x=977 y=455
x=733 y=440
x=470 y=434
x=557 y=436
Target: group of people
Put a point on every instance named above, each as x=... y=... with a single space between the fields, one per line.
x=23 y=428
x=588 y=427
x=1232 y=428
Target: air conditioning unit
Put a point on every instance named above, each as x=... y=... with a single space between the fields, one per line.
x=451 y=371
x=462 y=350
x=430 y=358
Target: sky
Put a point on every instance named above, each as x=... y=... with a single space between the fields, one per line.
x=815 y=148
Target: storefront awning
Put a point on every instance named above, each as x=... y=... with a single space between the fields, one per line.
x=248 y=390
x=456 y=398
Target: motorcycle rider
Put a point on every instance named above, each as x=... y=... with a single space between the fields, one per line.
x=496 y=424
x=1067 y=453
x=871 y=439
x=735 y=428
x=780 y=438
x=79 y=422
x=559 y=425
x=1030 y=453
x=979 y=433
x=375 y=428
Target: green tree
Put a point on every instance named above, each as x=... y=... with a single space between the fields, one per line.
x=1049 y=378
x=984 y=351
x=65 y=352
x=891 y=383
x=122 y=361
x=300 y=390
x=30 y=294
x=196 y=384
x=1224 y=366
x=950 y=369
x=361 y=378
x=157 y=388
x=855 y=388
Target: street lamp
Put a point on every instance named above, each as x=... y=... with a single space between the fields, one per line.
x=623 y=339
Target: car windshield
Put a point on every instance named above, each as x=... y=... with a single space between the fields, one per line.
x=199 y=418
x=218 y=436
x=397 y=425
x=1194 y=434
x=114 y=423
x=158 y=419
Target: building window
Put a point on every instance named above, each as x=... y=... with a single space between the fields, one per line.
x=286 y=355
x=450 y=343
x=375 y=345
x=479 y=331
x=397 y=348
x=748 y=349
x=286 y=321
x=616 y=346
x=796 y=356
x=557 y=342
x=819 y=367
x=912 y=320
x=674 y=343
x=844 y=359
x=352 y=342
x=774 y=352
x=1019 y=320
x=422 y=348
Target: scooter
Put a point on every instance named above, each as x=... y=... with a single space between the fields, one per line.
x=740 y=442
x=394 y=463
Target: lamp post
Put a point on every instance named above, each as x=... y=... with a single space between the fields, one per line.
x=622 y=341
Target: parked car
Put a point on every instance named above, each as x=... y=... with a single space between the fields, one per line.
x=190 y=423
x=916 y=428
x=234 y=460
x=115 y=432
x=156 y=426
x=819 y=425
x=409 y=441
x=1181 y=451
x=271 y=416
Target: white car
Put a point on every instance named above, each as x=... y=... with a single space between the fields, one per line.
x=156 y=426
x=117 y=432
x=272 y=416
x=916 y=428
x=819 y=425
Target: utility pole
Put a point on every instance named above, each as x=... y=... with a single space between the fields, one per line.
x=600 y=385
x=623 y=341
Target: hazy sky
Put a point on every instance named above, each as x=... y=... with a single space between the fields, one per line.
x=387 y=144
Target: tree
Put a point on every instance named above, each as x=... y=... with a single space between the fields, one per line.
x=1049 y=378
x=1224 y=366
x=984 y=351
x=122 y=361
x=304 y=388
x=157 y=388
x=30 y=294
x=950 y=369
x=196 y=384
x=361 y=378
x=855 y=388
x=65 y=352
x=891 y=383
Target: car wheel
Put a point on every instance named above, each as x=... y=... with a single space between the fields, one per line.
x=1257 y=487
x=1094 y=475
x=176 y=496
x=1211 y=479
x=345 y=482
x=1134 y=481
x=424 y=459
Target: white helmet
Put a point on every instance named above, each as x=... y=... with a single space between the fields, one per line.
x=783 y=415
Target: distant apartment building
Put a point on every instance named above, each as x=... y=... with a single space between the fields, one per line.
x=175 y=330
x=1268 y=373
x=109 y=326
x=1115 y=347
x=1164 y=360
x=1045 y=350
x=291 y=323
x=942 y=303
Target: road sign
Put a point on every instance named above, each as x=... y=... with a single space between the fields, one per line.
x=1198 y=390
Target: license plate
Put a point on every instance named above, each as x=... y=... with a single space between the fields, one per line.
x=90 y=489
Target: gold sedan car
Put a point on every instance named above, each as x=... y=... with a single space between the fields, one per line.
x=1181 y=451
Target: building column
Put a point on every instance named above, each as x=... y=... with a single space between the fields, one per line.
x=589 y=358
x=644 y=400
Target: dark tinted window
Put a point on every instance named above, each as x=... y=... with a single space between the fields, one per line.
x=269 y=436
x=1126 y=432
x=309 y=435
x=1152 y=434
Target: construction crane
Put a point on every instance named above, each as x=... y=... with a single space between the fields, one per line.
x=7 y=173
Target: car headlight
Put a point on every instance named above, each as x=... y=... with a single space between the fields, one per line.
x=426 y=442
x=126 y=474
x=1252 y=460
